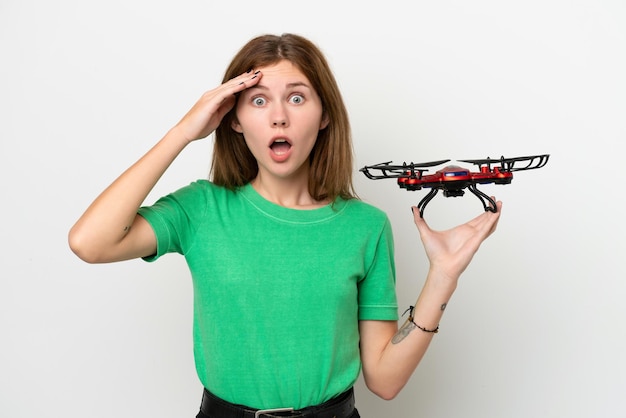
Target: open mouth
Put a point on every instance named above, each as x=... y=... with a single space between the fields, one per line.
x=280 y=146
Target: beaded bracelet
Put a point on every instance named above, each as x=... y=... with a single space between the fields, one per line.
x=410 y=311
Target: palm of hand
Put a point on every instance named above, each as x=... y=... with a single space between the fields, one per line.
x=452 y=250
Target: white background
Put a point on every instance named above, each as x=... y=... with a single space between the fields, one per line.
x=536 y=328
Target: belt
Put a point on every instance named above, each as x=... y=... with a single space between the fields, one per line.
x=341 y=406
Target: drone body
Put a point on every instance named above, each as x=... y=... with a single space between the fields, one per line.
x=453 y=179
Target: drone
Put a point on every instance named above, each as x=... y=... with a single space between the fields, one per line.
x=453 y=179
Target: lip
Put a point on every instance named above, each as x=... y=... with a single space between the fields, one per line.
x=282 y=156
x=277 y=137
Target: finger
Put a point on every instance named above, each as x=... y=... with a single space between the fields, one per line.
x=224 y=95
x=245 y=81
x=491 y=219
x=229 y=89
x=488 y=215
x=421 y=224
x=497 y=218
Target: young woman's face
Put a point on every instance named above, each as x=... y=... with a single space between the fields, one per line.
x=280 y=118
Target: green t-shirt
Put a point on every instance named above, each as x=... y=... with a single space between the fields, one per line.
x=278 y=292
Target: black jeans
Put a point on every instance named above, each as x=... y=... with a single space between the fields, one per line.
x=355 y=414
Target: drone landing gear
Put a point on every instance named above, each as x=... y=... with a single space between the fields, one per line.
x=483 y=199
x=422 y=204
x=491 y=207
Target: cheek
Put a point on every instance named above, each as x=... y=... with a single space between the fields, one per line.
x=253 y=141
x=246 y=121
x=314 y=125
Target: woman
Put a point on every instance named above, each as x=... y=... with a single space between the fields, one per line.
x=293 y=275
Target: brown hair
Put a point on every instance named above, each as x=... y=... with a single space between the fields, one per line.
x=233 y=164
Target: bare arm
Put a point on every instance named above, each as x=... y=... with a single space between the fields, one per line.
x=391 y=355
x=110 y=229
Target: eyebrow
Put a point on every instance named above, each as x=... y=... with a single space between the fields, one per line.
x=298 y=84
x=289 y=85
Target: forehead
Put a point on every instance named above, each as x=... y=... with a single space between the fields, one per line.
x=283 y=72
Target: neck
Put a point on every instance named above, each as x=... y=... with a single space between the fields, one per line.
x=287 y=192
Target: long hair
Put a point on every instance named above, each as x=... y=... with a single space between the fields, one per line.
x=330 y=176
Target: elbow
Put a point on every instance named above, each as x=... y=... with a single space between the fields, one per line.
x=386 y=392
x=386 y=384
x=81 y=248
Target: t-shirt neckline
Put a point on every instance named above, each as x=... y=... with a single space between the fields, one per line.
x=285 y=214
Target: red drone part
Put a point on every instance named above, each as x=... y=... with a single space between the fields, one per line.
x=453 y=179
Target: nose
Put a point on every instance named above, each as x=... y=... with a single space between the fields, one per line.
x=279 y=117
x=280 y=122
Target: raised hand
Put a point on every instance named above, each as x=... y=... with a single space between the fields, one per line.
x=451 y=251
x=205 y=116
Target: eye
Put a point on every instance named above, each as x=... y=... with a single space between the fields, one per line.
x=258 y=101
x=296 y=99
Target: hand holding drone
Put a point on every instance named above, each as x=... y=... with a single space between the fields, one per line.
x=452 y=179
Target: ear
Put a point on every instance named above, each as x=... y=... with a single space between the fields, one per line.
x=325 y=121
x=236 y=126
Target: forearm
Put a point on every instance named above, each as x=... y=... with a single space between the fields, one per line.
x=390 y=355
x=108 y=220
x=401 y=355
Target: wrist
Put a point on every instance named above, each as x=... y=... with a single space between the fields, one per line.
x=441 y=281
x=177 y=135
x=411 y=319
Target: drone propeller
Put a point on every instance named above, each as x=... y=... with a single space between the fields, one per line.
x=389 y=170
x=428 y=164
x=508 y=164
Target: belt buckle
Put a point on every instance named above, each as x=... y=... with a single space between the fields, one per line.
x=261 y=412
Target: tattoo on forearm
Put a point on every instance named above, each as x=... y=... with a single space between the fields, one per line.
x=443 y=307
x=403 y=332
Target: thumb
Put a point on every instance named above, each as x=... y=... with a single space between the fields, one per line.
x=421 y=224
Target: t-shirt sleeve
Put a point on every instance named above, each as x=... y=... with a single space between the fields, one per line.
x=174 y=219
x=377 y=292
